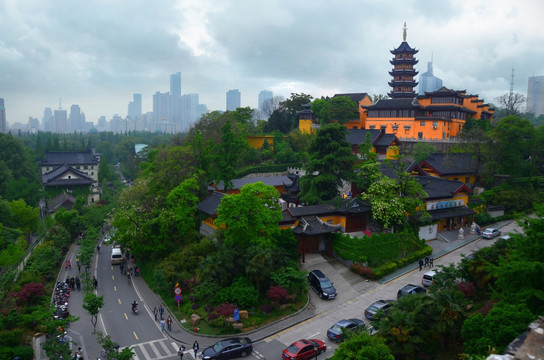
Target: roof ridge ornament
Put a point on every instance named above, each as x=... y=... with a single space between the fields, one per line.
x=404 y=32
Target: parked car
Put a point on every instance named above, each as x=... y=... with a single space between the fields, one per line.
x=411 y=289
x=304 y=349
x=335 y=332
x=321 y=284
x=490 y=233
x=428 y=278
x=380 y=305
x=228 y=349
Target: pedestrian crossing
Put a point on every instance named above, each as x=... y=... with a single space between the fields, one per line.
x=158 y=350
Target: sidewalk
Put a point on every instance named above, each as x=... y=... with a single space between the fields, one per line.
x=441 y=248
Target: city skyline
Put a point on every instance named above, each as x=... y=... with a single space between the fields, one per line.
x=100 y=61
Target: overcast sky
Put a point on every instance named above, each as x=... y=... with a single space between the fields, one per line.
x=98 y=53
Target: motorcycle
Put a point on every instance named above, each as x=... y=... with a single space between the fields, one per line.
x=135 y=307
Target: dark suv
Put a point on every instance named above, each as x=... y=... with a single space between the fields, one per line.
x=321 y=284
x=411 y=289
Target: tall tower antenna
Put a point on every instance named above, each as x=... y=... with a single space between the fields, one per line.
x=60 y=104
x=512 y=84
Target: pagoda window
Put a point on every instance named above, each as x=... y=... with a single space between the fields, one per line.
x=435 y=125
x=383 y=128
x=395 y=127
x=420 y=135
x=372 y=127
x=422 y=123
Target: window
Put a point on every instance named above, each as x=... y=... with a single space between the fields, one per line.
x=92 y=172
x=372 y=127
x=420 y=135
x=435 y=125
x=467 y=180
x=422 y=123
x=69 y=176
x=85 y=167
x=329 y=221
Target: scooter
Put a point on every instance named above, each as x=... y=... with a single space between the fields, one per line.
x=135 y=308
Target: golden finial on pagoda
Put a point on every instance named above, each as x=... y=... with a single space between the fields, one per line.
x=404 y=32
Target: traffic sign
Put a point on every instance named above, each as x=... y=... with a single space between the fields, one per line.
x=177 y=291
x=178 y=298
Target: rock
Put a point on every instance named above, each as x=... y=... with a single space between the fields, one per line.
x=244 y=314
x=230 y=319
x=195 y=319
x=237 y=325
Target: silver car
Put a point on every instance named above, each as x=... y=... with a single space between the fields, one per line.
x=491 y=233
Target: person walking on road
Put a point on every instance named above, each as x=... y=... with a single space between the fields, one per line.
x=426 y=260
x=162 y=325
x=78 y=284
x=420 y=264
x=195 y=348
x=431 y=262
x=181 y=351
x=155 y=312
x=161 y=311
x=98 y=248
x=95 y=282
x=169 y=323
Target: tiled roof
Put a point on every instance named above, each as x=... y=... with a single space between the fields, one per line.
x=358 y=136
x=451 y=164
x=385 y=140
x=439 y=107
x=437 y=188
x=57 y=158
x=353 y=96
x=401 y=103
x=279 y=180
x=404 y=47
x=348 y=206
x=56 y=202
x=210 y=204
x=314 y=226
x=52 y=178
x=450 y=212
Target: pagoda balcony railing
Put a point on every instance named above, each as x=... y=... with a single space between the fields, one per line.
x=432 y=118
x=403 y=61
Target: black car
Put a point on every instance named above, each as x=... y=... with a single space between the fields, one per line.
x=321 y=284
x=411 y=289
x=380 y=305
x=335 y=333
x=228 y=349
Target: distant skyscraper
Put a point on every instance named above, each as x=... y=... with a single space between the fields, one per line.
x=233 y=100
x=428 y=82
x=175 y=95
x=48 y=120
x=190 y=110
x=33 y=124
x=135 y=107
x=161 y=107
x=61 y=121
x=74 y=121
x=3 y=123
x=264 y=96
x=535 y=95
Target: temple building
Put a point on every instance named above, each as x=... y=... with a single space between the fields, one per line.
x=436 y=115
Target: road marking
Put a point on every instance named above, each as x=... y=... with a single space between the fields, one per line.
x=114 y=288
x=119 y=300
x=113 y=277
x=270 y=338
x=126 y=317
x=136 y=336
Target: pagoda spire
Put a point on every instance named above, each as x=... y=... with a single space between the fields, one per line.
x=403 y=72
x=404 y=32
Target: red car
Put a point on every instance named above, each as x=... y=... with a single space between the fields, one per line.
x=304 y=349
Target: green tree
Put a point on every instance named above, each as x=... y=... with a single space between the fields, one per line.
x=422 y=150
x=363 y=346
x=93 y=303
x=111 y=348
x=331 y=161
x=232 y=146
x=285 y=118
x=252 y=216
x=339 y=109
x=26 y=217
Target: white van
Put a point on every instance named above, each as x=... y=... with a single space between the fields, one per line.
x=428 y=278
x=116 y=256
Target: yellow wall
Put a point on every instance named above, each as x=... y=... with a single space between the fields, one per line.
x=305 y=126
x=257 y=141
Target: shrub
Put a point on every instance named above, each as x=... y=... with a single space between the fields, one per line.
x=276 y=293
x=290 y=278
x=225 y=309
x=267 y=308
x=241 y=292
x=11 y=338
x=467 y=288
x=195 y=306
x=365 y=271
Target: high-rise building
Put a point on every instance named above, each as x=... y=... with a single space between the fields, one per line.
x=264 y=95
x=175 y=95
x=61 y=121
x=161 y=107
x=428 y=82
x=48 y=120
x=135 y=107
x=33 y=124
x=190 y=110
x=74 y=120
x=535 y=95
x=3 y=123
x=233 y=100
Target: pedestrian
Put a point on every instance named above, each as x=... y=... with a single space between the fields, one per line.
x=72 y=283
x=195 y=348
x=137 y=272
x=79 y=354
x=420 y=264
x=426 y=260
x=431 y=262
x=95 y=282
x=78 y=284
x=121 y=267
x=78 y=267
x=162 y=325
x=181 y=351
x=98 y=248
x=131 y=272
x=66 y=265
x=161 y=310
x=155 y=312
x=169 y=323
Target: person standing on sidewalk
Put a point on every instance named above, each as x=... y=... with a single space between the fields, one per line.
x=161 y=311
x=420 y=264
x=181 y=351
x=195 y=348
x=169 y=323
x=431 y=262
x=78 y=284
x=162 y=325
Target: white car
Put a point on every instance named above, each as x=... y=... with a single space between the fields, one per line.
x=491 y=233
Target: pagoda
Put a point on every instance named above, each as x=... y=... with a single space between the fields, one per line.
x=403 y=72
